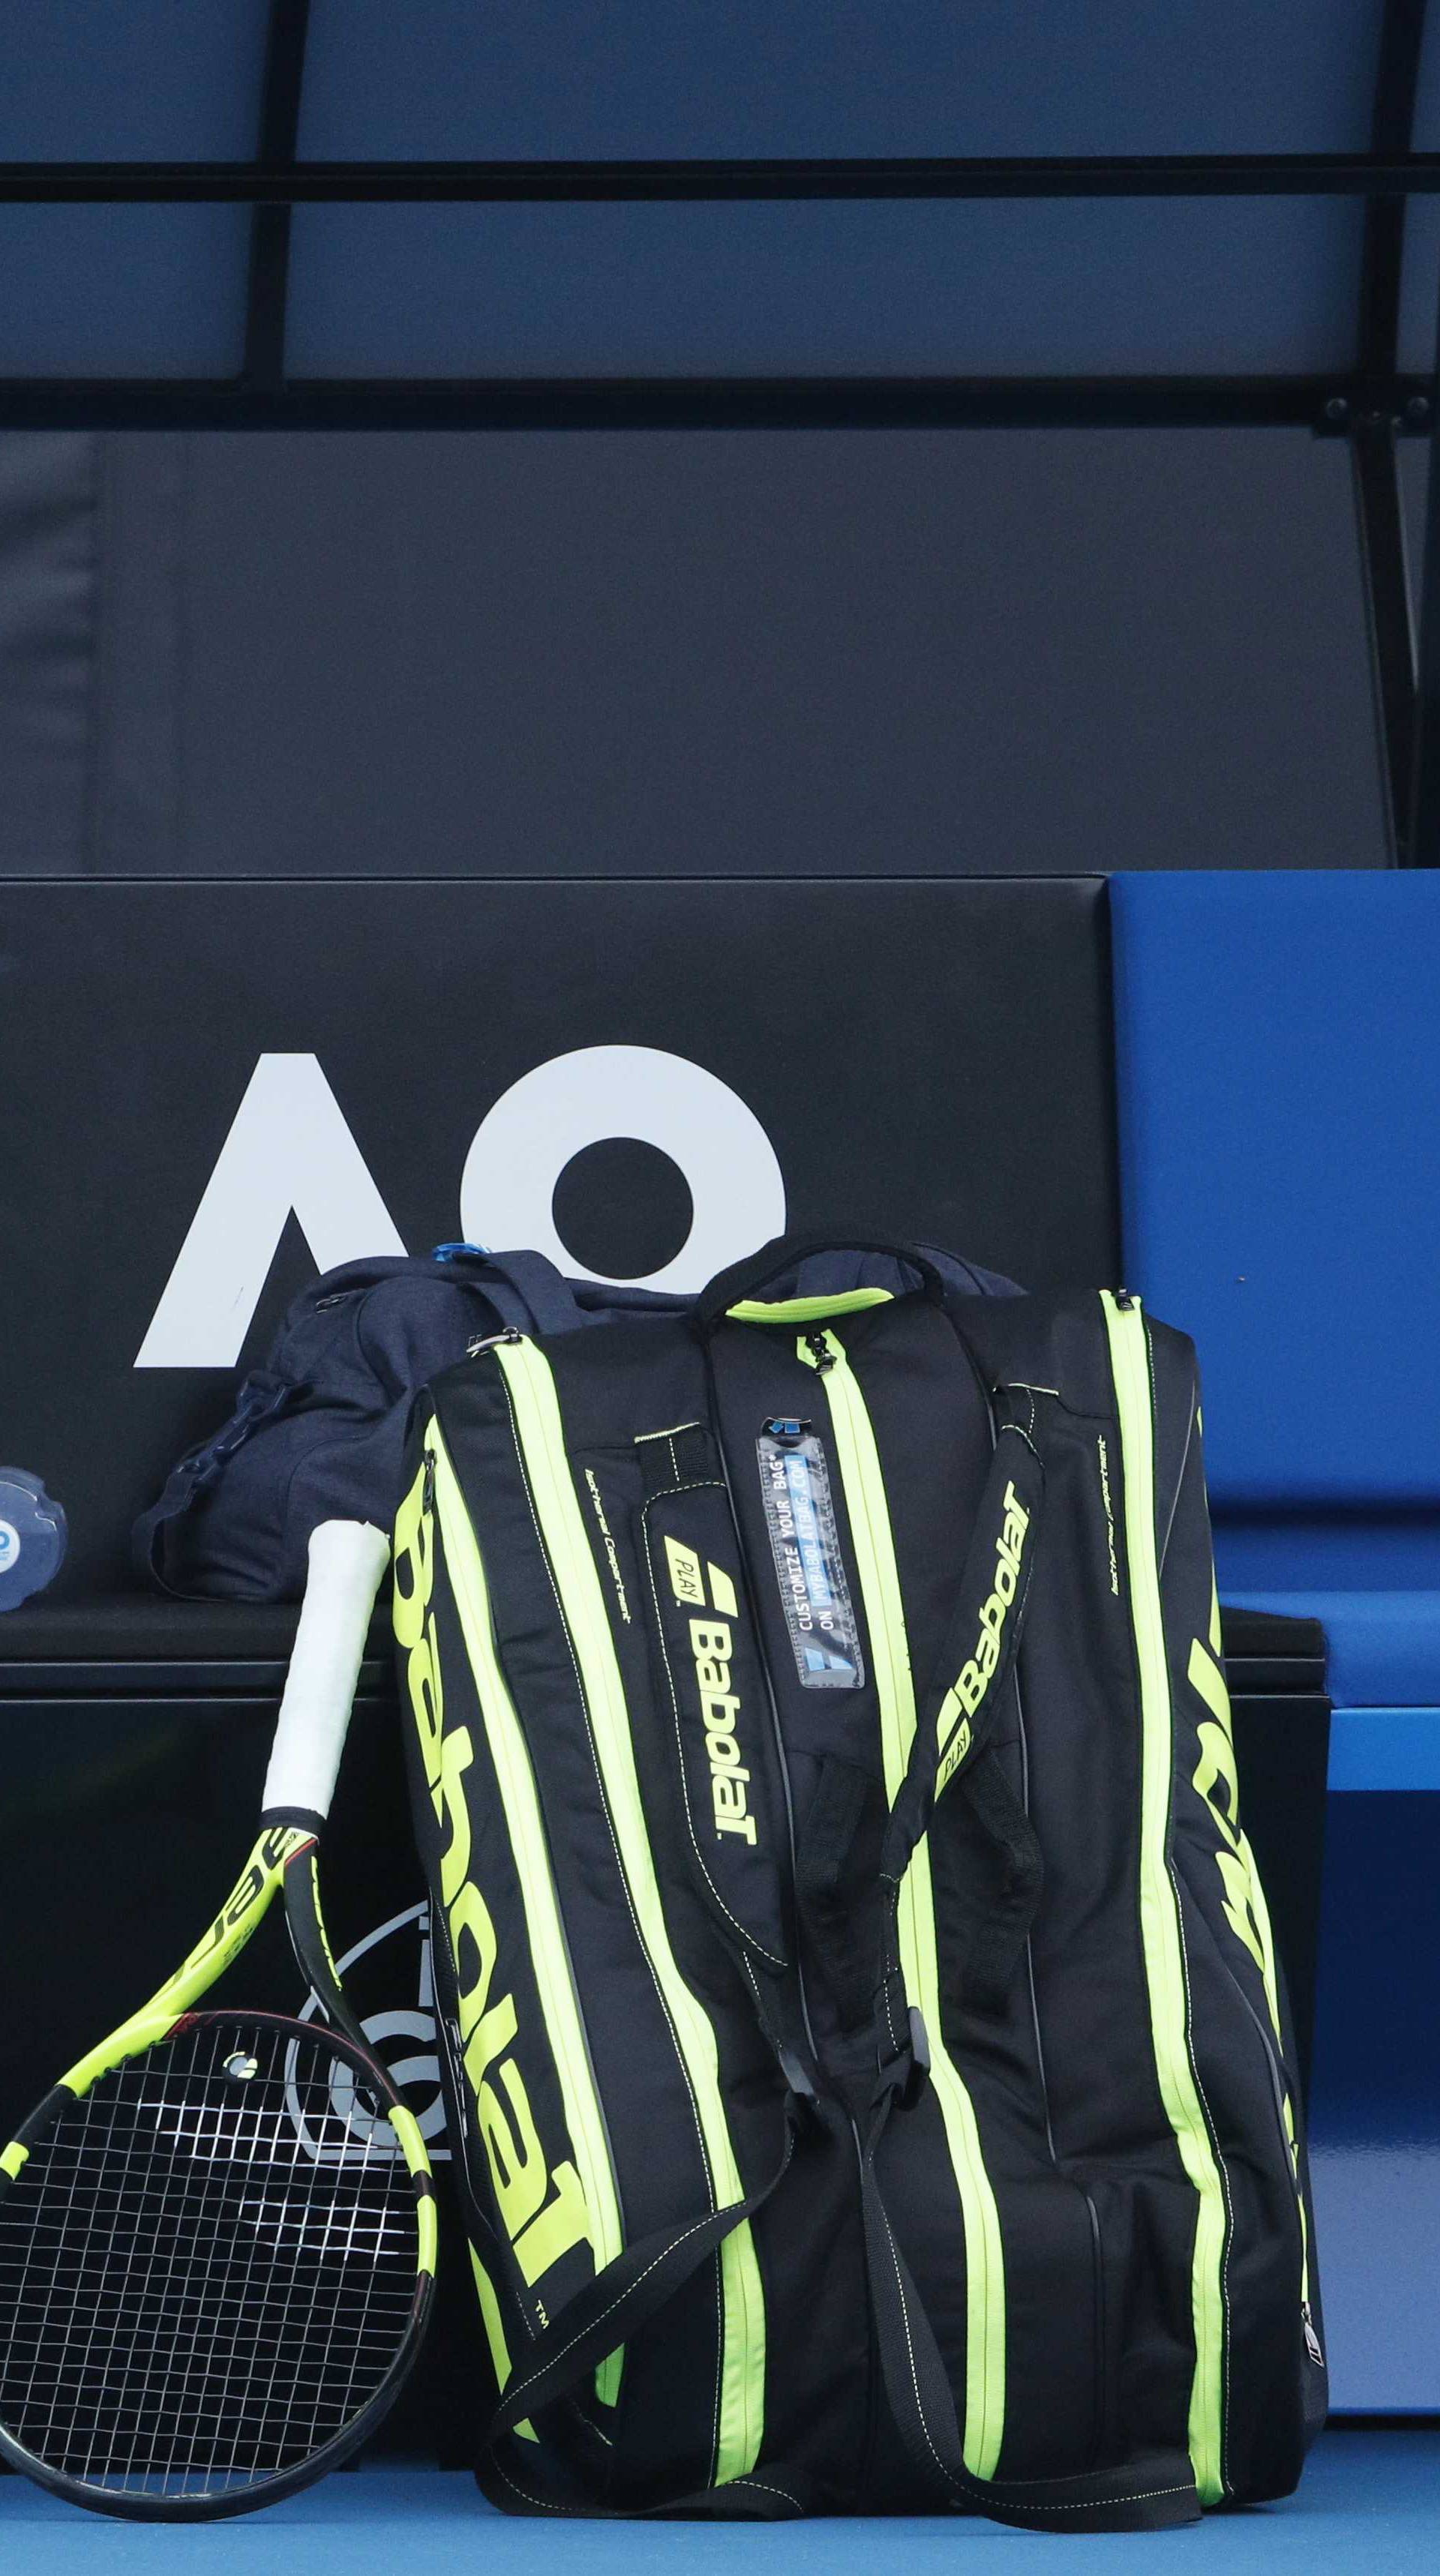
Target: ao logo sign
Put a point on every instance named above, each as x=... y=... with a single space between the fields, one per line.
x=291 y=1152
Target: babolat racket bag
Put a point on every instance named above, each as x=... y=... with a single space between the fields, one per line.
x=867 y=2063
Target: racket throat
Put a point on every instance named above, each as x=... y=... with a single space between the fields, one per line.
x=311 y=1945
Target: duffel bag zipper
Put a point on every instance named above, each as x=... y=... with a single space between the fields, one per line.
x=1161 y=1918
x=490 y=1342
x=788 y=1427
x=560 y=1531
x=776 y=1736
x=863 y=1486
x=1097 y=2255
x=1097 y=2242
x=1290 y=2149
x=560 y=2004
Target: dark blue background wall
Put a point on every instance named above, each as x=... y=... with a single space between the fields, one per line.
x=769 y=653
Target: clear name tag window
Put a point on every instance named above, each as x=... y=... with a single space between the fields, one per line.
x=804 y=1541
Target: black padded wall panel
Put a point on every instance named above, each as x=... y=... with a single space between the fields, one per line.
x=692 y=653
x=215 y=1089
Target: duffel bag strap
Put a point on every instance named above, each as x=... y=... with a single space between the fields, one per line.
x=956 y=1719
x=956 y=1715
x=613 y=2307
x=1149 y=2494
x=527 y=1292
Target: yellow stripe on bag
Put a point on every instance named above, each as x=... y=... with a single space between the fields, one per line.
x=542 y=1444
x=1161 y=1930
x=554 y=1979
x=864 y=1487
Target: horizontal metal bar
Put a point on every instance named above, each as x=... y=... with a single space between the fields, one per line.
x=730 y=402
x=306 y=183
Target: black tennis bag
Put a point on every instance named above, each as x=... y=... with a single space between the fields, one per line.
x=866 y=2057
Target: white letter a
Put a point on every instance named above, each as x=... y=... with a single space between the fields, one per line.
x=289 y=1149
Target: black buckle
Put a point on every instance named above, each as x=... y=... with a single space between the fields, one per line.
x=797 y=2076
x=904 y=2074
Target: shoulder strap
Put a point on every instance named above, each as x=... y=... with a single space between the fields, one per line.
x=527 y=1291
x=956 y=1719
x=623 y=2297
x=1150 y=2494
x=957 y=1711
x=608 y=2313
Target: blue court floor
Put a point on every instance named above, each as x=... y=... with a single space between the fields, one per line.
x=1370 y=2502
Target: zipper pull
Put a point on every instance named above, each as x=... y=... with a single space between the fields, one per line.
x=1312 y=2340
x=490 y=1341
x=427 y=1490
x=1124 y=1301
x=820 y=1352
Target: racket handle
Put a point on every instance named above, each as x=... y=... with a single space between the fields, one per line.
x=347 y=1560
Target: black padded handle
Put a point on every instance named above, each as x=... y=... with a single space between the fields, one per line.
x=756 y=1271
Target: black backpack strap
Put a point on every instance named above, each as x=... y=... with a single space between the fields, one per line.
x=527 y=1291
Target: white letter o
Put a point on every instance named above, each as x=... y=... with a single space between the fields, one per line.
x=523 y=1144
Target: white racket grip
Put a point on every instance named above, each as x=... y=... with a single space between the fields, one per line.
x=347 y=1560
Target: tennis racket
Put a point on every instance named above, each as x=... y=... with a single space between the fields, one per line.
x=217 y=2233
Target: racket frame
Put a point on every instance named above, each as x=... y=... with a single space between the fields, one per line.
x=140 y=2032
x=349 y=1559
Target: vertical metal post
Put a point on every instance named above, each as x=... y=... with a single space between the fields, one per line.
x=269 y=278
x=1389 y=617
x=1424 y=834
x=1384 y=569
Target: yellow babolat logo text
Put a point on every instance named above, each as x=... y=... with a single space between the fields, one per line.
x=953 y=1730
x=541 y=2207
x=1218 y=1782
x=713 y=1646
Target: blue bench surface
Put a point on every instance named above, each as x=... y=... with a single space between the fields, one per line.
x=1384 y=1647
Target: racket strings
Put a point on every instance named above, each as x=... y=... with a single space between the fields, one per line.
x=207 y=2265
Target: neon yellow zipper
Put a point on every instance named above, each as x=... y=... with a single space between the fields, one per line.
x=1207 y=1677
x=864 y=1489
x=1162 y=1932
x=559 y=2002
x=540 y=1434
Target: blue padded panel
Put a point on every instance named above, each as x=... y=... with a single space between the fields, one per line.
x=582 y=77
x=1384 y=1646
x=1170 y=285
x=1395 y=1749
x=123 y=290
x=1278 y=1065
x=1252 y=285
x=1258 y=284
x=1387 y=1552
x=149 y=80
